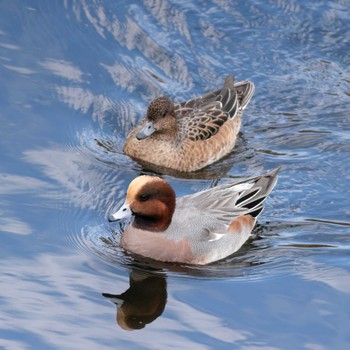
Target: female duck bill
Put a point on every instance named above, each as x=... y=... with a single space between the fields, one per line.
x=146 y=131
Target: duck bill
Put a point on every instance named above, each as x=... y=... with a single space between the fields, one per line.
x=123 y=213
x=146 y=131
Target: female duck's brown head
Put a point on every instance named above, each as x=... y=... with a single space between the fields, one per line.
x=151 y=200
x=160 y=118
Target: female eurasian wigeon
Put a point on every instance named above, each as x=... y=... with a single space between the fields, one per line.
x=190 y=135
x=195 y=229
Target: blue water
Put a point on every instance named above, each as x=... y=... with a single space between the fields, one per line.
x=76 y=76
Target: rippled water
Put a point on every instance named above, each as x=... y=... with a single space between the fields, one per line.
x=76 y=77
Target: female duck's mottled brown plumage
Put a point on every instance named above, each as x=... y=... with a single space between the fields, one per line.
x=193 y=134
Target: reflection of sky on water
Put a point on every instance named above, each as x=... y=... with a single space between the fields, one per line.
x=337 y=278
x=77 y=76
x=13 y=225
x=63 y=69
x=48 y=289
x=15 y=185
x=77 y=181
x=63 y=289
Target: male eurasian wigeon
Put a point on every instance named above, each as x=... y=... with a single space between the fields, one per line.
x=190 y=135
x=195 y=229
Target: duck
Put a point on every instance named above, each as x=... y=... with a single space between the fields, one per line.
x=196 y=229
x=191 y=135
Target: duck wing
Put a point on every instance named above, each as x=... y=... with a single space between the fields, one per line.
x=245 y=91
x=227 y=201
x=201 y=124
x=202 y=117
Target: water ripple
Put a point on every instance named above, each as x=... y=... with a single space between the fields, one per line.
x=273 y=252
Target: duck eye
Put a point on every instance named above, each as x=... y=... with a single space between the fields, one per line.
x=144 y=197
x=164 y=114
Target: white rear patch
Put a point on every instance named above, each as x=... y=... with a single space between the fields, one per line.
x=215 y=236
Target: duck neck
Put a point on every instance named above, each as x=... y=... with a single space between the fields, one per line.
x=157 y=222
x=149 y=223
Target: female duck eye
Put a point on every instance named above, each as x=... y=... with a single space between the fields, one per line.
x=164 y=114
x=144 y=197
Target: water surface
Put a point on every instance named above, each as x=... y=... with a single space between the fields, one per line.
x=76 y=77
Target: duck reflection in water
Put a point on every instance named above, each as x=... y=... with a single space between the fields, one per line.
x=142 y=303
